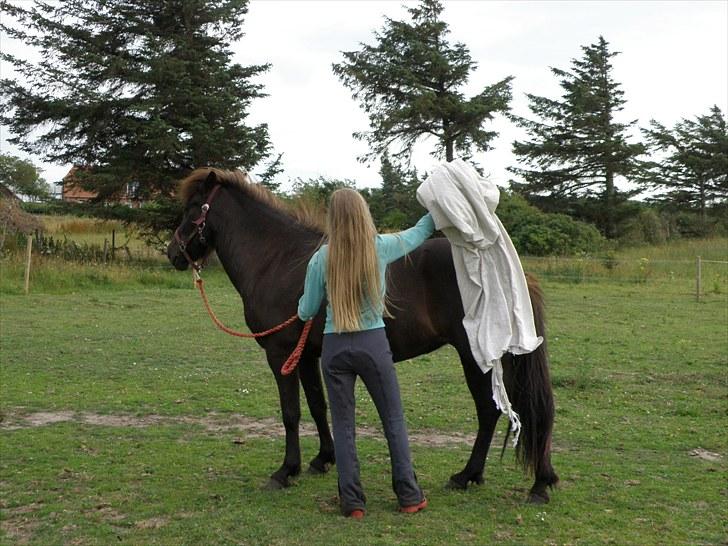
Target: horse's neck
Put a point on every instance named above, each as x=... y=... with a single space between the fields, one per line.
x=259 y=247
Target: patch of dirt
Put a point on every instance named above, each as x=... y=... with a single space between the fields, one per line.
x=434 y=438
x=42 y=418
x=215 y=423
x=26 y=509
x=105 y=512
x=152 y=523
x=19 y=530
x=706 y=455
x=16 y=524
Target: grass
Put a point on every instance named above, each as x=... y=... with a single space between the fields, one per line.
x=55 y=276
x=73 y=225
x=670 y=263
x=639 y=371
x=93 y=231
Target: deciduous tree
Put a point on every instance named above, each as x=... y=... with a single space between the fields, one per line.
x=22 y=177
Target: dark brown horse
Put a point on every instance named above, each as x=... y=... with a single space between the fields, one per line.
x=264 y=248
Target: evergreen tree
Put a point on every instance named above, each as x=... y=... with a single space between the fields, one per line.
x=272 y=169
x=577 y=148
x=139 y=92
x=22 y=177
x=409 y=84
x=694 y=169
x=394 y=204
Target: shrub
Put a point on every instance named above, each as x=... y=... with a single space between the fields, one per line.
x=692 y=225
x=538 y=233
x=645 y=227
x=16 y=224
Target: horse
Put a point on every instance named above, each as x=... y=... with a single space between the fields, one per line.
x=264 y=246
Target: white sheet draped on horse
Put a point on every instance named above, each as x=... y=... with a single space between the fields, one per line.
x=498 y=314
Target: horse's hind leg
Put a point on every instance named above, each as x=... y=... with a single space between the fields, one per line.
x=481 y=391
x=313 y=387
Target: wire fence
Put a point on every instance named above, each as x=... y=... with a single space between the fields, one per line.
x=702 y=274
x=680 y=276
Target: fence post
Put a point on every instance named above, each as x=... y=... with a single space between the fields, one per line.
x=113 y=244
x=27 y=264
x=106 y=250
x=698 y=277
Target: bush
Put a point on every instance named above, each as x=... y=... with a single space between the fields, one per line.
x=691 y=225
x=538 y=233
x=645 y=227
x=16 y=224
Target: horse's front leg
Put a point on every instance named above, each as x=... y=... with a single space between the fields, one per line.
x=313 y=387
x=288 y=394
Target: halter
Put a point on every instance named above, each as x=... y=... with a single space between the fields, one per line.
x=290 y=364
x=199 y=224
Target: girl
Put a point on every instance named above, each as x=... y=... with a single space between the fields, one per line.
x=350 y=272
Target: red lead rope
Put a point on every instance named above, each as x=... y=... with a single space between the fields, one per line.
x=290 y=364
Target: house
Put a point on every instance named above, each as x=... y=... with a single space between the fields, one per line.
x=73 y=192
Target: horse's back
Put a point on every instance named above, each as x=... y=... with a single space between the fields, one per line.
x=424 y=298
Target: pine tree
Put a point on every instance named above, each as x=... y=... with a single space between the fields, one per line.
x=694 y=169
x=138 y=92
x=394 y=204
x=577 y=148
x=409 y=84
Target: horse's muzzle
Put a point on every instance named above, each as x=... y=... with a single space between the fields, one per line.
x=175 y=257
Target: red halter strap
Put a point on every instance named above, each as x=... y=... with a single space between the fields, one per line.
x=199 y=224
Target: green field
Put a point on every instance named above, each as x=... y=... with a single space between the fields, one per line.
x=128 y=419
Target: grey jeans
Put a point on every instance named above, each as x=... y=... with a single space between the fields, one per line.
x=366 y=354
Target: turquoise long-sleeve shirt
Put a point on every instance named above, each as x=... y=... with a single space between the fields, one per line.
x=389 y=247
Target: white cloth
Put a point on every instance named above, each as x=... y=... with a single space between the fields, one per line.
x=498 y=314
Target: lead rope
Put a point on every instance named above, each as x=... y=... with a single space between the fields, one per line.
x=290 y=364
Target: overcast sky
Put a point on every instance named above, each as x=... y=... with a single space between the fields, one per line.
x=674 y=63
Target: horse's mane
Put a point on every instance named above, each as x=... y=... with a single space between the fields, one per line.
x=303 y=212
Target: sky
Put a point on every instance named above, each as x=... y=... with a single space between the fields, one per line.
x=673 y=64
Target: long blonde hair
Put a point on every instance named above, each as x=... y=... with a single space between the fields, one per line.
x=352 y=269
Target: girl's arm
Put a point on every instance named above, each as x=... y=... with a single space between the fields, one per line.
x=314 y=288
x=393 y=246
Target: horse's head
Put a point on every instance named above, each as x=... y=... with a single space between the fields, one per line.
x=194 y=238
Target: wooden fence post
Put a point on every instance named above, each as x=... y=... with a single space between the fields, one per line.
x=27 y=264
x=113 y=244
x=698 y=279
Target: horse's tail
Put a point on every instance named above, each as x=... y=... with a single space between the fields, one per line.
x=532 y=398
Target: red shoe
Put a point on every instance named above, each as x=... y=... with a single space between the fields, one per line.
x=356 y=514
x=414 y=508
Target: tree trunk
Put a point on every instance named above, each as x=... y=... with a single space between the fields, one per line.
x=447 y=139
x=449 y=150
x=610 y=229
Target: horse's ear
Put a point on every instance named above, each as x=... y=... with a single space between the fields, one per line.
x=210 y=182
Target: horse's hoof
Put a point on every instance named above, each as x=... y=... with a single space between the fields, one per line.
x=274 y=485
x=318 y=470
x=538 y=498
x=456 y=485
